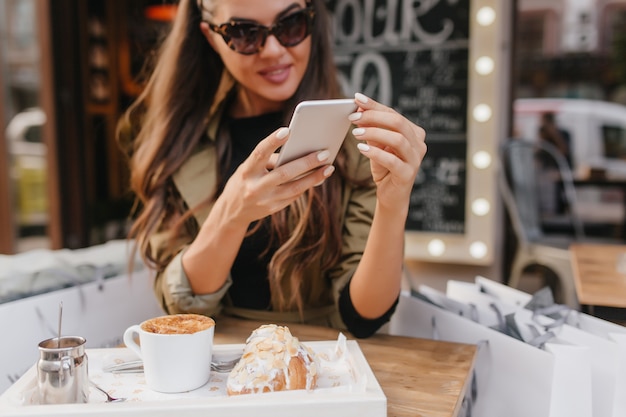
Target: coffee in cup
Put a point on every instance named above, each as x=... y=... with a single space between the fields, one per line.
x=178 y=324
x=176 y=350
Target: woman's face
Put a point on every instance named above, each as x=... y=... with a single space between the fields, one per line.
x=271 y=76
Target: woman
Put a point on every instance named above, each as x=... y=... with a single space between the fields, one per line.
x=224 y=229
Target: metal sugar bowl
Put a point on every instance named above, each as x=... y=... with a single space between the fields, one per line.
x=62 y=374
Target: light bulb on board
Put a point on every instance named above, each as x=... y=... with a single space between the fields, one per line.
x=485 y=16
x=478 y=250
x=481 y=207
x=482 y=113
x=481 y=160
x=484 y=65
x=436 y=247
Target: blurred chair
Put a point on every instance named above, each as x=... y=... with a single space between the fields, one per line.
x=521 y=185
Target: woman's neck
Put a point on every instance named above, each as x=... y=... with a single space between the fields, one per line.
x=249 y=105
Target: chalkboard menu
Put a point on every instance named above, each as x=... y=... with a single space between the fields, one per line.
x=413 y=56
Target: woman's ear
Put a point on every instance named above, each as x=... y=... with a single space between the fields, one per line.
x=206 y=31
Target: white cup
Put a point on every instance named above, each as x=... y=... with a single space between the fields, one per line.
x=174 y=362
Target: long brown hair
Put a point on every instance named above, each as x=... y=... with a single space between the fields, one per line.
x=167 y=124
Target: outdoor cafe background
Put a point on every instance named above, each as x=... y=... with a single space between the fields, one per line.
x=445 y=65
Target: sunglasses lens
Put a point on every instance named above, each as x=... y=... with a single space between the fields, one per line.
x=248 y=38
x=245 y=38
x=293 y=29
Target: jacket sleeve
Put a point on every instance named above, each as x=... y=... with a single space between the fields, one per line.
x=174 y=292
x=172 y=288
x=171 y=285
x=359 y=203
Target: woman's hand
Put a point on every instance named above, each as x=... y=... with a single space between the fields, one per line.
x=395 y=147
x=257 y=189
x=254 y=191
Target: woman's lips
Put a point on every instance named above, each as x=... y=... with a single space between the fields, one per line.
x=277 y=74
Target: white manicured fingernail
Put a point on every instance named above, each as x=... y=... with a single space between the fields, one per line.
x=329 y=170
x=361 y=97
x=358 y=131
x=322 y=156
x=363 y=147
x=282 y=133
x=355 y=116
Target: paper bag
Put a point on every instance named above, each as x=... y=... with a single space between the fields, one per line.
x=583 y=321
x=442 y=300
x=606 y=356
x=619 y=402
x=504 y=293
x=512 y=377
x=467 y=292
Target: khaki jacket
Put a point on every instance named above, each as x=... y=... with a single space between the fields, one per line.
x=196 y=181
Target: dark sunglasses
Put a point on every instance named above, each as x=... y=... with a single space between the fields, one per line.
x=248 y=38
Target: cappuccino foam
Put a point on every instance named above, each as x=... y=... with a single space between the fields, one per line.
x=178 y=324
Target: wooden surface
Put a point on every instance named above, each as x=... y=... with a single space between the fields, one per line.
x=419 y=377
x=598 y=281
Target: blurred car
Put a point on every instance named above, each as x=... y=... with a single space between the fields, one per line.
x=28 y=169
x=597 y=131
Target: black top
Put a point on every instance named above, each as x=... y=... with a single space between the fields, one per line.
x=250 y=287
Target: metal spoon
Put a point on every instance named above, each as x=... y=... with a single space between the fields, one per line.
x=225 y=365
x=137 y=366
x=60 y=319
x=110 y=399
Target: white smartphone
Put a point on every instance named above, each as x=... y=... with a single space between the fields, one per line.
x=317 y=125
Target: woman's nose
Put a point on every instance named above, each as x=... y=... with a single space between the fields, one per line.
x=272 y=46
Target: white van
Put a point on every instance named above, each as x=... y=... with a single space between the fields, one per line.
x=597 y=131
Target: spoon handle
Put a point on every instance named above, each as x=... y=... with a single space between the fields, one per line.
x=137 y=366
x=110 y=399
x=129 y=366
x=60 y=320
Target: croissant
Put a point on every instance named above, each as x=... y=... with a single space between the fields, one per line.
x=273 y=360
